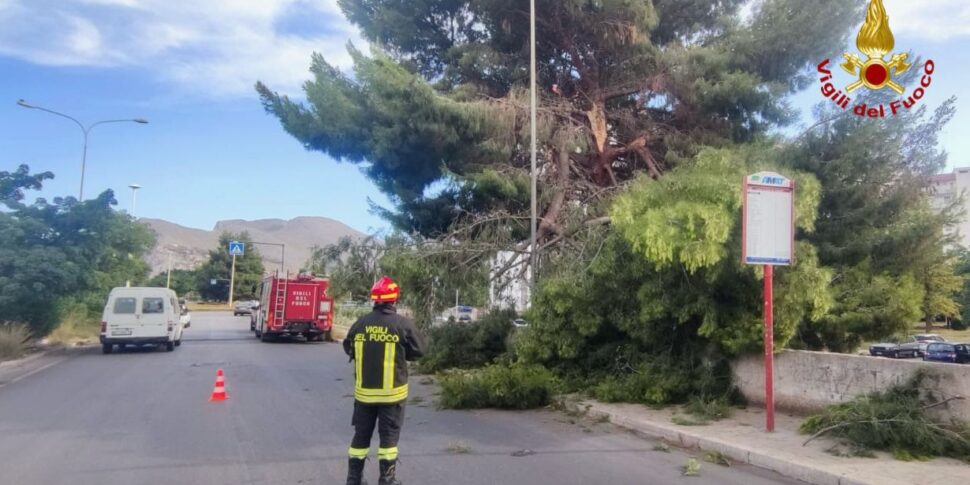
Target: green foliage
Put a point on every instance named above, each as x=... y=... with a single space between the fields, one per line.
x=640 y=86
x=468 y=345
x=184 y=281
x=503 y=386
x=13 y=340
x=709 y=408
x=875 y=229
x=352 y=265
x=663 y=380
x=895 y=420
x=430 y=274
x=249 y=270
x=54 y=250
x=868 y=307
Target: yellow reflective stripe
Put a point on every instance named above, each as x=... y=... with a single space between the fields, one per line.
x=389 y=351
x=387 y=453
x=382 y=392
x=359 y=453
x=380 y=396
x=359 y=361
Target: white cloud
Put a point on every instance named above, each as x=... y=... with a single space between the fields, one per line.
x=937 y=20
x=210 y=47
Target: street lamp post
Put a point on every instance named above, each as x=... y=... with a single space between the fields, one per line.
x=533 y=250
x=85 y=130
x=134 y=199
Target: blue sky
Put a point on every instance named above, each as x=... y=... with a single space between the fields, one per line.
x=210 y=152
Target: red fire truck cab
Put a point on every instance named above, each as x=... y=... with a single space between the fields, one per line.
x=294 y=306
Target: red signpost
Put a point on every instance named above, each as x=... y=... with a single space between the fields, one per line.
x=768 y=240
x=769 y=349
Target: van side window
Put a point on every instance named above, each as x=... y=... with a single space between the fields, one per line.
x=153 y=305
x=124 y=306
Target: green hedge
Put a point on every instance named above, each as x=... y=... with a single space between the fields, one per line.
x=502 y=386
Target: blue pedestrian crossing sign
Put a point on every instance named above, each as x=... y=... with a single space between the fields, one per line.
x=237 y=248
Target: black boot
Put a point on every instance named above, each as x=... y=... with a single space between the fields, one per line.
x=388 y=469
x=355 y=472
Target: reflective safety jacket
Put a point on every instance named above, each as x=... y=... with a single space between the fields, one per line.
x=380 y=344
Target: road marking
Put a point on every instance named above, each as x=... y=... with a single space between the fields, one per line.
x=35 y=371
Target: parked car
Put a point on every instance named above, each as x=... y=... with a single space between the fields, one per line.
x=889 y=349
x=141 y=316
x=185 y=316
x=958 y=353
x=924 y=339
x=244 y=307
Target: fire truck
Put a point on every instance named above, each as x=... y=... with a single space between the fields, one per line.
x=293 y=306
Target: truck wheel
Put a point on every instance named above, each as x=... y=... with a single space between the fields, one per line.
x=328 y=336
x=107 y=348
x=264 y=337
x=169 y=346
x=178 y=343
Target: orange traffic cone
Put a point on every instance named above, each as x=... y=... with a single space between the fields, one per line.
x=219 y=393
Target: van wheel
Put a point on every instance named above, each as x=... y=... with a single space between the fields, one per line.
x=169 y=346
x=107 y=348
x=178 y=343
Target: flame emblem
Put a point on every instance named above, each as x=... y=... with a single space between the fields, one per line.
x=875 y=40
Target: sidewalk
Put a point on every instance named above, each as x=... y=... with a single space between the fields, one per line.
x=741 y=438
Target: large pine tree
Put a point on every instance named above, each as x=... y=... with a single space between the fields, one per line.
x=438 y=112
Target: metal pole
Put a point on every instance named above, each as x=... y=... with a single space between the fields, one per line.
x=232 y=280
x=533 y=253
x=533 y=248
x=769 y=350
x=85 y=130
x=168 y=280
x=84 y=162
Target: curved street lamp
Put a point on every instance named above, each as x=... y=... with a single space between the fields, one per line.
x=85 y=130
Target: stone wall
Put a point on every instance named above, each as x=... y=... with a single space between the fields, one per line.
x=808 y=381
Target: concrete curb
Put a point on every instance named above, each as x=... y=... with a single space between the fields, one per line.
x=687 y=439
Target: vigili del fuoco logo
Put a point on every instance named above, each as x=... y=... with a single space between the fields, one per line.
x=874 y=72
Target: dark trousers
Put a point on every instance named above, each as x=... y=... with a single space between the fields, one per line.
x=387 y=418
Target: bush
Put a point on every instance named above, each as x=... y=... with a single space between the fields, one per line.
x=13 y=340
x=515 y=386
x=78 y=324
x=666 y=380
x=895 y=420
x=468 y=345
x=958 y=324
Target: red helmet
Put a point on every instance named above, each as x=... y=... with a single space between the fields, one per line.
x=385 y=291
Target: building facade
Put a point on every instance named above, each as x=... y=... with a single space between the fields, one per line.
x=945 y=189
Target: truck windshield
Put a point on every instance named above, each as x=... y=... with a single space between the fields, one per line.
x=124 y=306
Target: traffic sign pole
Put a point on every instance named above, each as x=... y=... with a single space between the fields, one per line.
x=232 y=280
x=769 y=349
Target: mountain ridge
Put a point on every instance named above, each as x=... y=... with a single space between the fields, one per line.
x=189 y=247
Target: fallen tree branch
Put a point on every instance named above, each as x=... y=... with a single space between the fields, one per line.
x=849 y=423
x=954 y=398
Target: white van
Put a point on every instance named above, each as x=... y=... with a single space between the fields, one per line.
x=141 y=316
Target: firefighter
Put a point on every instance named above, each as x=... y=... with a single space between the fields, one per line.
x=380 y=343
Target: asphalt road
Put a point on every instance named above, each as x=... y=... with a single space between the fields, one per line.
x=143 y=417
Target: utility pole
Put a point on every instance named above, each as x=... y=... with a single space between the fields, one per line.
x=168 y=279
x=232 y=280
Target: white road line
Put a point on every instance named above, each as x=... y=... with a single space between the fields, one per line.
x=35 y=371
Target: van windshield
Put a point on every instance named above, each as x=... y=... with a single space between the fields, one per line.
x=153 y=305
x=124 y=306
